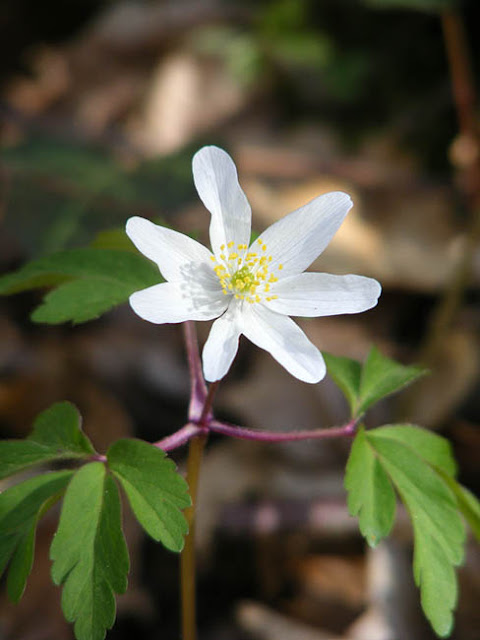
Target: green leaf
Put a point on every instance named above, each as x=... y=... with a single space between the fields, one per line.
x=431 y=447
x=21 y=564
x=80 y=301
x=20 y=508
x=118 y=240
x=439 y=532
x=346 y=373
x=365 y=385
x=467 y=503
x=113 y=239
x=59 y=427
x=155 y=490
x=381 y=377
x=89 y=553
x=56 y=435
x=90 y=282
x=370 y=493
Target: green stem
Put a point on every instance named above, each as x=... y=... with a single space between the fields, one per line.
x=187 y=558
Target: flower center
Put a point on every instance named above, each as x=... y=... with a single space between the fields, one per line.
x=245 y=274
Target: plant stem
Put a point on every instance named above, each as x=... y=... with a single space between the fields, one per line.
x=466 y=160
x=198 y=388
x=236 y=431
x=468 y=166
x=180 y=437
x=190 y=431
x=187 y=558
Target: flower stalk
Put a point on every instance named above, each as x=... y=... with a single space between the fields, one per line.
x=201 y=402
x=187 y=557
x=235 y=431
x=247 y=288
x=201 y=423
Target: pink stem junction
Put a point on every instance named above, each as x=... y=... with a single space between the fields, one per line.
x=201 y=420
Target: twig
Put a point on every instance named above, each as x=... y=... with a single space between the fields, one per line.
x=243 y=433
x=180 y=437
x=469 y=168
x=200 y=414
x=187 y=558
x=198 y=388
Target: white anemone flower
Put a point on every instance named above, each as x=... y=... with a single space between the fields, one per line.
x=249 y=289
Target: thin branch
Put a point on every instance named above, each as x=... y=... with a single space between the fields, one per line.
x=243 y=433
x=208 y=424
x=206 y=416
x=461 y=75
x=98 y=457
x=180 y=437
x=468 y=166
x=198 y=388
x=187 y=558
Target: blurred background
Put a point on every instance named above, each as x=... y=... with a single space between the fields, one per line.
x=102 y=105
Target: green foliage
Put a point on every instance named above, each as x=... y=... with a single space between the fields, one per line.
x=155 y=490
x=434 y=449
x=347 y=374
x=467 y=503
x=420 y=5
x=238 y=49
x=415 y=462
x=281 y=37
x=89 y=282
x=115 y=239
x=20 y=508
x=89 y=553
x=56 y=435
x=284 y=30
x=370 y=493
x=365 y=385
x=75 y=190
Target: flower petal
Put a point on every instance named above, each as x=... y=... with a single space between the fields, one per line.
x=323 y=294
x=222 y=344
x=172 y=251
x=170 y=302
x=285 y=341
x=296 y=240
x=216 y=181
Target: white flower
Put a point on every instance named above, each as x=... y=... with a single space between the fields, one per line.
x=251 y=290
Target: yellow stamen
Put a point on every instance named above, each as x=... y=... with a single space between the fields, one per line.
x=242 y=275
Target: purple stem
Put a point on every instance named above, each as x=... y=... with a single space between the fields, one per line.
x=190 y=430
x=198 y=388
x=98 y=457
x=201 y=420
x=236 y=431
x=180 y=437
